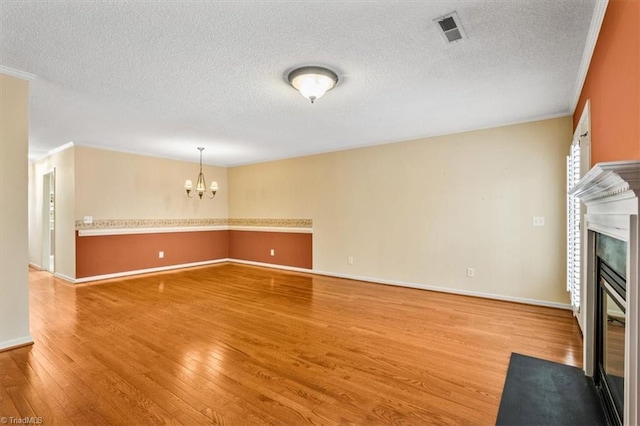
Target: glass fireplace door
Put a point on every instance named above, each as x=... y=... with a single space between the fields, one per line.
x=611 y=321
x=611 y=350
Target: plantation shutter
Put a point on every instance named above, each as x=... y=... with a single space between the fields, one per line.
x=573 y=226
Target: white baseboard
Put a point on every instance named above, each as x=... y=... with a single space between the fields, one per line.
x=329 y=274
x=448 y=290
x=412 y=285
x=64 y=277
x=144 y=271
x=15 y=343
x=34 y=266
x=272 y=265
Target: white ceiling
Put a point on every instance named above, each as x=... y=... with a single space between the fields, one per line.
x=161 y=78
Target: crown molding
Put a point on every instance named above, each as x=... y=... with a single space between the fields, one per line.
x=59 y=149
x=592 y=37
x=52 y=152
x=612 y=181
x=17 y=73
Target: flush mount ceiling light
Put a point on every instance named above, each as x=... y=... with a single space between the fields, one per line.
x=313 y=82
x=201 y=186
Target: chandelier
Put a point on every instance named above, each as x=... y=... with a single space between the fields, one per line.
x=201 y=186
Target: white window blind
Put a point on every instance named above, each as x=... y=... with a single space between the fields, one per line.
x=573 y=226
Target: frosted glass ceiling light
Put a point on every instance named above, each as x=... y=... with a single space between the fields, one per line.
x=201 y=186
x=313 y=82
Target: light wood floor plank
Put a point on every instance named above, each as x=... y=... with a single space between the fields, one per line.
x=235 y=344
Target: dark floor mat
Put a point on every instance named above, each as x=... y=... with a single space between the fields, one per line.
x=539 y=392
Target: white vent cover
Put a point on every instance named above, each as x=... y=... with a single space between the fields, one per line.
x=450 y=27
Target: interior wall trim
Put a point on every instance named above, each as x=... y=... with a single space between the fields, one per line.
x=328 y=274
x=592 y=37
x=7 y=345
x=128 y=231
x=145 y=271
x=271 y=229
x=522 y=300
x=55 y=150
x=271 y=223
x=23 y=75
x=64 y=277
x=230 y=223
x=34 y=266
x=448 y=290
x=271 y=265
x=117 y=224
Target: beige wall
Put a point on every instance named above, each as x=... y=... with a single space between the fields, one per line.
x=424 y=211
x=113 y=185
x=116 y=185
x=65 y=253
x=14 y=290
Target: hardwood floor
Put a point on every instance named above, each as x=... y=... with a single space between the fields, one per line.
x=233 y=344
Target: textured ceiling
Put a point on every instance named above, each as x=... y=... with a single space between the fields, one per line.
x=162 y=78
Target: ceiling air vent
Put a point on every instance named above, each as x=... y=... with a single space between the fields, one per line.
x=450 y=27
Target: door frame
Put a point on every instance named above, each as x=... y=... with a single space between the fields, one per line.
x=48 y=220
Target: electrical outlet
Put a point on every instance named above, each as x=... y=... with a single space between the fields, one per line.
x=160 y=255
x=350 y=260
x=273 y=252
x=471 y=272
x=538 y=221
x=88 y=220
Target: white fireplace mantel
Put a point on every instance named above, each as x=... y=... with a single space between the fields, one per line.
x=611 y=193
x=609 y=181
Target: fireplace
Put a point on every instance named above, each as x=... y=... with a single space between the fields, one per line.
x=611 y=295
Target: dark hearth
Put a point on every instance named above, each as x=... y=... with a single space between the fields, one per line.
x=540 y=392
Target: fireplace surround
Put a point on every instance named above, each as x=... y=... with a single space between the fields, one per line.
x=611 y=192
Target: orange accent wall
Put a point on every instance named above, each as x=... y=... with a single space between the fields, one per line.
x=291 y=249
x=108 y=254
x=612 y=85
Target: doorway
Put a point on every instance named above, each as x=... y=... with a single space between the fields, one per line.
x=48 y=221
